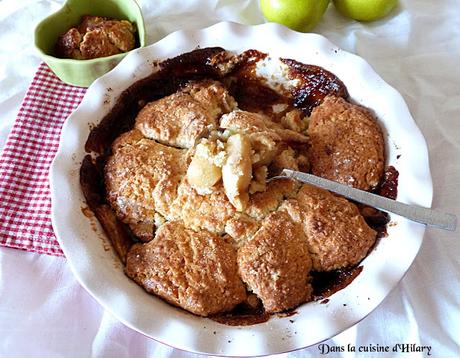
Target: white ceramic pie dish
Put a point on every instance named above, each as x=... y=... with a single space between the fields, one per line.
x=98 y=269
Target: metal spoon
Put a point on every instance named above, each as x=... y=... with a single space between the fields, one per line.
x=416 y=213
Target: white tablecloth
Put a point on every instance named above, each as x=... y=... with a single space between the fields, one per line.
x=43 y=310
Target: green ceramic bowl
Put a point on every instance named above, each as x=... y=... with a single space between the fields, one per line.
x=84 y=72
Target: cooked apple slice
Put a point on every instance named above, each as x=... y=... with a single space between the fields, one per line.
x=237 y=170
x=205 y=169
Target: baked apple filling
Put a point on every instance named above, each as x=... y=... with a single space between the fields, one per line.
x=241 y=153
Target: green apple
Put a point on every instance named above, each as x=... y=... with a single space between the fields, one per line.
x=365 y=10
x=300 y=15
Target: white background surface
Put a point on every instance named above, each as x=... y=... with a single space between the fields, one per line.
x=43 y=310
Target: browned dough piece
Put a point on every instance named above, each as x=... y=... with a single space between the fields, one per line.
x=193 y=270
x=346 y=144
x=275 y=263
x=336 y=232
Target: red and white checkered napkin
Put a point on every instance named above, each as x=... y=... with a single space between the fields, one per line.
x=25 y=204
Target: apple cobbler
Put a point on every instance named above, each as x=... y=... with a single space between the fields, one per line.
x=180 y=183
x=96 y=36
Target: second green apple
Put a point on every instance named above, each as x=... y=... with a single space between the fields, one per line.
x=299 y=15
x=365 y=10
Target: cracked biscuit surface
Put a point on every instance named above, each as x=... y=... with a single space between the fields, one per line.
x=142 y=178
x=182 y=118
x=275 y=263
x=336 y=232
x=195 y=270
x=203 y=211
x=346 y=144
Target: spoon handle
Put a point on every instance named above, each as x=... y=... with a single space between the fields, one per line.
x=419 y=214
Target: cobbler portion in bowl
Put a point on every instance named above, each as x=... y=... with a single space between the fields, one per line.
x=178 y=178
x=96 y=36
